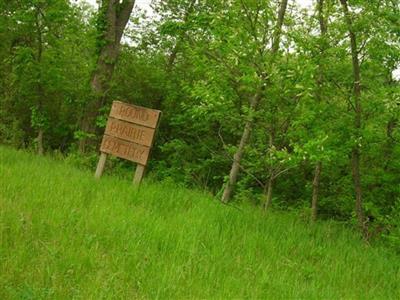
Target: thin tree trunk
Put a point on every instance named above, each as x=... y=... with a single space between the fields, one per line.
x=40 y=142
x=268 y=187
x=172 y=57
x=314 y=203
x=278 y=29
x=116 y=16
x=320 y=78
x=233 y=175
x=268 y=193
x=234 y=172
x=323 y=31
x=356 y=155
x=39 y=87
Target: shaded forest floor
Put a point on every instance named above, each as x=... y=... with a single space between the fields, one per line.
x=65 y=235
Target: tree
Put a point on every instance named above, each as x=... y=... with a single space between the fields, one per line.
x=113 y=17
x=356 y=155
x=320 y=78
x=256 y=98
x=33 y=52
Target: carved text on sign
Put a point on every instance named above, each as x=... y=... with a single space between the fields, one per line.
x=130 y=132
x=124 y=149
x=135 y=114
x=129 y=135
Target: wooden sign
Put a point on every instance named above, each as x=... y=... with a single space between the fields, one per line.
x=129 y=134
x=135 y=114
x=124 y=149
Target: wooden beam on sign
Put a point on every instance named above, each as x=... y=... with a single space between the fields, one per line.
x=135 y=114
x=100 y=165
x=126 y=150
x=140 y=169
x=130 y=132
x=139 y=173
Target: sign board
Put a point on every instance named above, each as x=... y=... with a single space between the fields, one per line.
x=135 y=114
x=129 y=134
x=123 y=149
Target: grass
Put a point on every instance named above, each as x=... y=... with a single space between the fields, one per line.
x=64 y=235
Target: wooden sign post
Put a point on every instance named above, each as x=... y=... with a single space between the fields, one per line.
x=129 y=135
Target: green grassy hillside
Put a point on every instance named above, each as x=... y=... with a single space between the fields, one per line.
x=65 y=235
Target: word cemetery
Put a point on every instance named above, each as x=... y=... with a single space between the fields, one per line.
x=129 y=135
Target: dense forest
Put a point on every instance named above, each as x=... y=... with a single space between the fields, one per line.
x=263 y=101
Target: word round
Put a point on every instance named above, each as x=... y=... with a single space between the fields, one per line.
x=135 y=114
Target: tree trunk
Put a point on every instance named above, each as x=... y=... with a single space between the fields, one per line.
x=39 y=86
x=356 y=154
x=172 y=57
x=233 y=174
x=116 y=16
x=268 y=193
x=40 y=142
x=268 y=187
x=314 y=203
x=323 y=31
x=320 y=78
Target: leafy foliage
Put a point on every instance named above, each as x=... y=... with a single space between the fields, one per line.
x=200 y=63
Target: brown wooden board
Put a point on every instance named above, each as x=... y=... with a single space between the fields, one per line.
x=131 y=132
x=129 y=135
x=135 y=114
x=124 y=149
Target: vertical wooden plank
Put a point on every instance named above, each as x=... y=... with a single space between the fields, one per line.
x=100 y=165
x=138 y=174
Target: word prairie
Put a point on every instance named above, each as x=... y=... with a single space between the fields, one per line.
x=130 y=132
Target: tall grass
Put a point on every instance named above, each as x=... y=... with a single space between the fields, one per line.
x=65 y=235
